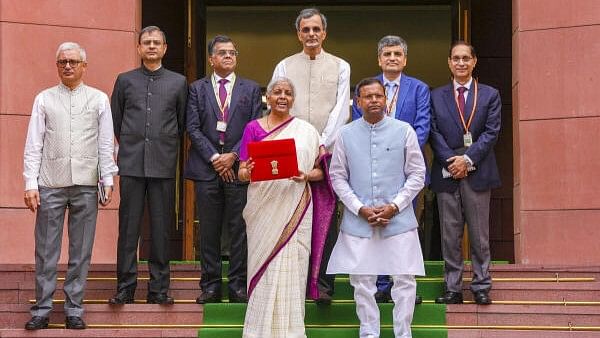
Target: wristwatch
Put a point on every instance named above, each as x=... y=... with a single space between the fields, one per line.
x=395 y=207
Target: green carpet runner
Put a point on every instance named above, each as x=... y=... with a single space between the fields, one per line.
x=224 y=320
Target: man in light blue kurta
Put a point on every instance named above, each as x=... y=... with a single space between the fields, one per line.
x=377 y=169
x=408 y=100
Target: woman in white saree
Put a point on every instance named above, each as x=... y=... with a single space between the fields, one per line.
x=278 y=216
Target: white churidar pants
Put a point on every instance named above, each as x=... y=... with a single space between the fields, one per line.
x=403 y=295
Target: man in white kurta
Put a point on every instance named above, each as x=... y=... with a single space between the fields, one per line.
x=377 y=169
x=322 y=83
x=69 y=147
x=322 y=80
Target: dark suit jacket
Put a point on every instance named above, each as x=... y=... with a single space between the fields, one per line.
x=412 y=106
x=147 y=110
x=201 y=121
x=447 y=136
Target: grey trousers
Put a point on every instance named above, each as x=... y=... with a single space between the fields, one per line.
x=82 y=203
x=455 y=208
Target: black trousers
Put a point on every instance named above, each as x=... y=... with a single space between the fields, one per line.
x=220 y=205
x=327 y=282
x=160 y=195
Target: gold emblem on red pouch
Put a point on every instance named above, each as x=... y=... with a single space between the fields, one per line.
x=274 y=169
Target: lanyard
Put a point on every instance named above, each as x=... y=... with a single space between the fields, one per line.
x=393 y=101
x=228 y=88
x=467 y=125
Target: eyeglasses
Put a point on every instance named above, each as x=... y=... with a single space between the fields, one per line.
x=465 y=59
x=73 y=63
x=230 y=52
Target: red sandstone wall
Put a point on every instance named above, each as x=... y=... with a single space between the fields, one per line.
x=30 y=32
x=556 y=117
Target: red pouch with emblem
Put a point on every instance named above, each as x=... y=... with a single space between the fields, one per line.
x=273 y=159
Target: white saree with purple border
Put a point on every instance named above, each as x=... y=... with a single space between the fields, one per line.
x=279 y=219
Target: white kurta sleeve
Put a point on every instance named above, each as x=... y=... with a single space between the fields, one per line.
x=106 y=146
x=339 y=174
x=32 y=157
x=340 y=113
x=414 y=170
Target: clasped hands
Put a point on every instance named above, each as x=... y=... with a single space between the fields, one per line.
x=377 y=216
x=223 y=165
x=458 y=167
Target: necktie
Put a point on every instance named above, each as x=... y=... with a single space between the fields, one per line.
x=223 y=95
x=461 y=100
x=390 y=90
x=224 y=109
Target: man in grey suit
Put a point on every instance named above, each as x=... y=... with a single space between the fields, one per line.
x=219 y=107
x=69 y=140
x=148 y=105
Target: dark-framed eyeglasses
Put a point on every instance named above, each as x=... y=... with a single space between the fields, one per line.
x=63 y=63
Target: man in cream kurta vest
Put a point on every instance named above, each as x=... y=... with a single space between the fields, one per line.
x=69 y=140
x=322 y=83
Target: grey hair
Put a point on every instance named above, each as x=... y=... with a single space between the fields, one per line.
x=310 y=12
x=392 y=40
x=72 y=46
x=278 y=80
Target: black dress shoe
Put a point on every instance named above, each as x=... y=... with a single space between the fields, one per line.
x=239 y=296
x=159 y=298
x=75 y=323
x=209 y=297
x=382 y=296
x=324 y=298
x=482 y=297
x=122 y=297
x=36 y=323
x=450 y=298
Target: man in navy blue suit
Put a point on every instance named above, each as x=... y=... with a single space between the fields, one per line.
x=219 y=107
x=464 y=129
x=408 y=100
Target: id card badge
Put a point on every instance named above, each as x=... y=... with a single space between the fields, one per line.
x=468 y=139
x=221 y=126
